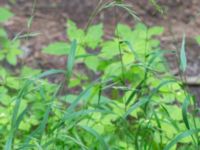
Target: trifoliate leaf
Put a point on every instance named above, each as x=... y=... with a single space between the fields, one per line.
x=92 y=62
x=94 y=36
x=157 y=30
x=123 y=31
x=13 y=83
x=11 y=58
x=27 y=71
x=74 y=33
x=113 y=69
x=110 y=49
x=153 y=43
x=127 y=58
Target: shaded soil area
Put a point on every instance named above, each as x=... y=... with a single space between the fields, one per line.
x=180 y=16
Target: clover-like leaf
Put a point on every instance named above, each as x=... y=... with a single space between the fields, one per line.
x=11 y=58
x=157 y=30
x=74 y=33
x=110 y=49
x=124 y=32
x=94 y=36
x=92 y=62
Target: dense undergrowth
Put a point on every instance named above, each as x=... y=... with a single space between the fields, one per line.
x=129 y=100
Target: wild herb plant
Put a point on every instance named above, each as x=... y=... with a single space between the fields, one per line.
x=133 y=104
x=9 y=49
x=147 y=97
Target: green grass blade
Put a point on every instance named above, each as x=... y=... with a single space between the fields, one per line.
x=157 y=54
x=8 y=145
x=183 y=59
x=30 y=20
x=180 y=137
x=71 y=59
x=126 y=7
x=27 y=35
x=15 y=119
x=83 y=93
x=74 y=104
x=98 y=137
x=79 y=143
x=21 y=94
x=135 y=91
x=99 y=93
x=14 y=130
x=81 y=113
x=172 y=122
x=19 y=119
x=184 y=111
x=40 y=129
x=144 y=100
x=136 y=105
x=50 y=72
x=132 y=50
x=158 y=124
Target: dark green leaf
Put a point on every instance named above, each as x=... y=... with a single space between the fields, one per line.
x=71 y=59
x=180 y=137
x=184 y=111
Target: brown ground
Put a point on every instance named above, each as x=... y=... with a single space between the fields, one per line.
x=181 y=16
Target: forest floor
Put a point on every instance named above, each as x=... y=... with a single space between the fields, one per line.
x=50 y=17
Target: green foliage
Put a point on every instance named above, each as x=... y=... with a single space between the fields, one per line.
x=183 y=59
x=5 y=14
x=71 y=59
x=93 y=36
x=132 y=105
x=9 y=49
x=58 y=48
x=198 y=39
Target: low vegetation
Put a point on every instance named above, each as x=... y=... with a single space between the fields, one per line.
x=128 y=98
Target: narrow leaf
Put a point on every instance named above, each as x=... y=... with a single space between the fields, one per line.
x=180 y=137
x=184 y=111
x=97 y=136
x=71 y=59
x=183 y=59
